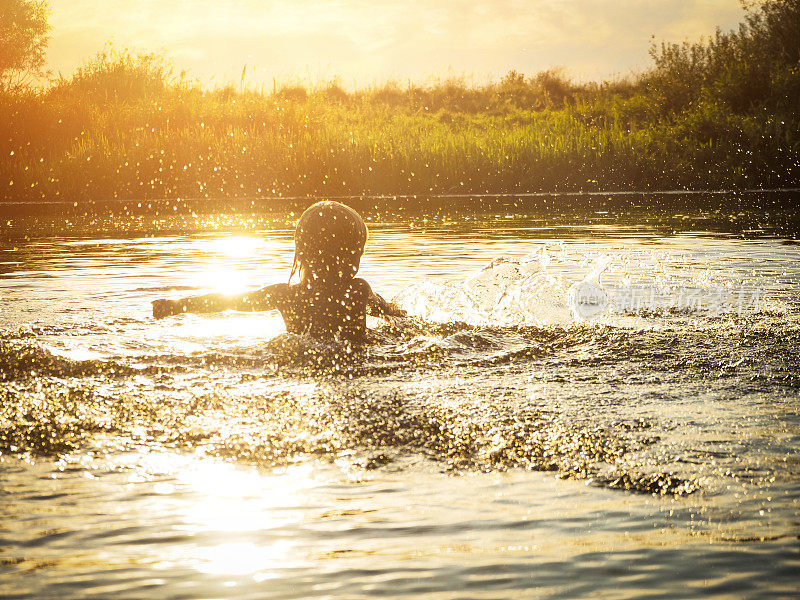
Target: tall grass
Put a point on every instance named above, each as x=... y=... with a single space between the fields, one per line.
x=721 y=113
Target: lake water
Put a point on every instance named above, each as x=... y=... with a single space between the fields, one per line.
x=592 y=404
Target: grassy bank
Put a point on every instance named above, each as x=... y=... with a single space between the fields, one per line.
x=721 y=113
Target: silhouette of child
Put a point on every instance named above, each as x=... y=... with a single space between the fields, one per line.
x=329 y=301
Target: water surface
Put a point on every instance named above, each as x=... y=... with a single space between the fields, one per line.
x=497 y=444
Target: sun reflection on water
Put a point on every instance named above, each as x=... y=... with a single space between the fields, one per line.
x=237 y=515
x=222 y=279
x=236 y=328
x=233 y=265
x=244 y=558
x=238 y=246
x=229 y=264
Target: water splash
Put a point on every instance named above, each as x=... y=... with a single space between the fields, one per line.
x=507 y=292
x=556 y=284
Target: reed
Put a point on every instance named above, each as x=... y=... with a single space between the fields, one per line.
x=718 y=113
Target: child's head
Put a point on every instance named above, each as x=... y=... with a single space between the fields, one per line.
x=329 y=241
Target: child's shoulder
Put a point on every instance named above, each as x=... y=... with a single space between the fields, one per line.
x=361 y=286
x=272 y=295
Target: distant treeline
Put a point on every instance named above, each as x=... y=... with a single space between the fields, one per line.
x=719 y=113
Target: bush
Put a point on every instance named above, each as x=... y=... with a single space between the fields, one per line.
x=119 y=75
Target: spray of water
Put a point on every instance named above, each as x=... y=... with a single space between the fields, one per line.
x=507 y=292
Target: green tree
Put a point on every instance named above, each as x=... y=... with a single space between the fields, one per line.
x=23 y=42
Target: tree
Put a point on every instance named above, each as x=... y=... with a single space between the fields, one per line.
x=23 y=41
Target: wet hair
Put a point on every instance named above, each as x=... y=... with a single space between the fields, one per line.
x=329 y=241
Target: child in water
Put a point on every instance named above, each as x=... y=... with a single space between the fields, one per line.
x=329 y=301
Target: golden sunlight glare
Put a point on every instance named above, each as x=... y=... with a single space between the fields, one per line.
x=257 y=43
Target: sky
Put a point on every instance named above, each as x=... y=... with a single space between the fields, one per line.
x=360 y=42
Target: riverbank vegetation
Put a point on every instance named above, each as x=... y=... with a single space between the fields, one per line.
x=717 y=113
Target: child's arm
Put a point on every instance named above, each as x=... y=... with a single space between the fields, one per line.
x=263 y=299
x=378 y=307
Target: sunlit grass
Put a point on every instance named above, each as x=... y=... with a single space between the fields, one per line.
x=717 y=114
x=262 y=147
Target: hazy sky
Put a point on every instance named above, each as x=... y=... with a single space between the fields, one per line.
x=376 y=40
